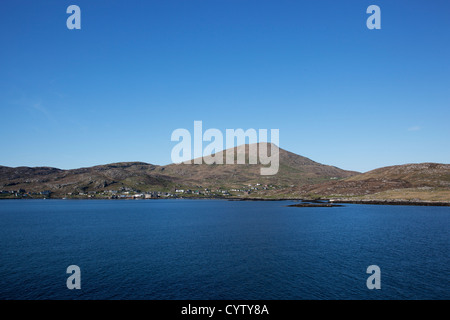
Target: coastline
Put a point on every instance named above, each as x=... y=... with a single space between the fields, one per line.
x=304 y=202
x=395 y=202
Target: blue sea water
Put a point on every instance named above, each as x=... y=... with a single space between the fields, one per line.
x=215 y=249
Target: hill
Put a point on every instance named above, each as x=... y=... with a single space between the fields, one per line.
x=294 y=170
x=422 y=181
x=298 y=177
x=98 y=178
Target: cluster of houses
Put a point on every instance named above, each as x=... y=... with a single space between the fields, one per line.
x=225 y=192
x=130 y=193
x=144 y=195
x=205 y=192
x=116 y=194
x=21 y=193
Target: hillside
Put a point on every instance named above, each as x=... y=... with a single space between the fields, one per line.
x=416 y=175
x=298 y=177
x=98 y=178
x=423 y=181
x=294 y=170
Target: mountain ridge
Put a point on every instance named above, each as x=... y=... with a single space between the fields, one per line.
x=140 y=176
x=298 y=177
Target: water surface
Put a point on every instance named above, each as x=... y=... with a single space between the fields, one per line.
x=215 y=249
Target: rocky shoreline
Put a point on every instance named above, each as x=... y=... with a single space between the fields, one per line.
x=393 y=202
x=330 y=202
x=304 y=202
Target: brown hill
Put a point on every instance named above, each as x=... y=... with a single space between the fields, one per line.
x=105 y=177
x=298 y=177
x=417 y=175
x=294 y=170
x=389 y=182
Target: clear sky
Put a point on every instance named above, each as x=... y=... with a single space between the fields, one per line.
x=115 y=90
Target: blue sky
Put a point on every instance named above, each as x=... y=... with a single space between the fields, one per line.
x=115 y=90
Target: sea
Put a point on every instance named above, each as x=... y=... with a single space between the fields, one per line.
x=181 y=249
